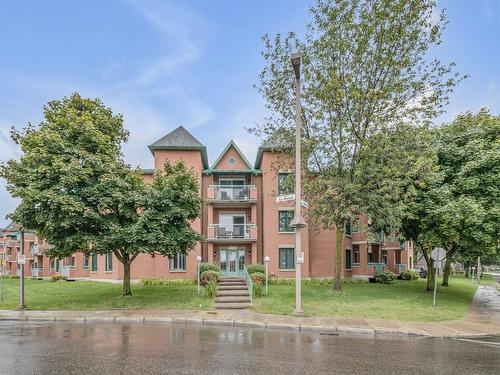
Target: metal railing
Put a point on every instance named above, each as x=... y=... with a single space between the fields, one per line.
x=36 y=248
x=249 y=284
x=243 y=231
x=232 y=193
x=35 y=272
x=65 y=270
x=379 y=267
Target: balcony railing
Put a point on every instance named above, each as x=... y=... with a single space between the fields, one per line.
x=235 y=231
x=375 y=237
x=10 y=243
x=232 y=193
x=66 y=270
x=37 y=248
x=36 y=272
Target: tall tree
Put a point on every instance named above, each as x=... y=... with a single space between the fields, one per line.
x=78 y=194
x=366 y=70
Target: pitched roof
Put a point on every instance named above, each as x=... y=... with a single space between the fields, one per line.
x=279 y=140
x=229 y=145
x=180 y=139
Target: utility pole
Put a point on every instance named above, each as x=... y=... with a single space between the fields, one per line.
x=298 y=222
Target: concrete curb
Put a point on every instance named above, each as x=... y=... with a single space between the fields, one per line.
x=213 y=321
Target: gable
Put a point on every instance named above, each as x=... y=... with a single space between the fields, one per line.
x=231 y=159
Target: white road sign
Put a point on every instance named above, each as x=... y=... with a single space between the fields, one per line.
x=300 y=257
x=438 y=254
x=290 y=197
x=21 y=259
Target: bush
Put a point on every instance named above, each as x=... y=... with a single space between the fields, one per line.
x=209 y=276
x=152 y=281
x=258 y=278
x=13 y=277
x=210 y=290
x=409 y=275
x=281 y=281
x=57 y=277
x=253 y=268
x=258 y=290
x=386 y=277
x=209 y=267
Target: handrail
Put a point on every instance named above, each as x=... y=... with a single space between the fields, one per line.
x=232 y=192
x=230 y=232
x=249 y=283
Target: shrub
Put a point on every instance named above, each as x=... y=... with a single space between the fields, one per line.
x=210 y=290
x=386 y=277
x=253 y=268
x=57 y=277
x=258 y=290
x=409 y=275
x=281 y=281
x=209 y=276
x=13 y=277
x=209 y=267
x=258 y=278
x=152 y=281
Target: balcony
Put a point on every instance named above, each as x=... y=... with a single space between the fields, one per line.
x=232 y=233
x=36 y=272
x=10 y=243
x=66 y=270
x=232 y=194
x=375 y=237
x=37 y=249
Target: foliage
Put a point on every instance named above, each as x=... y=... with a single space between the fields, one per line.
x=209 y=267
x=57 y=277
x=76 y=191
x=252 y=268
x=12 y=277
x=210 y=290
x=153 y=281
x=258 y=278
x=386 y=277
x=209 y=276
x=259 y=290
x=409 y=275
x=365 y=71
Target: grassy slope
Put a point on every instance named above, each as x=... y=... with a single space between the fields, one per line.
x=404 y=300
x=83 y=295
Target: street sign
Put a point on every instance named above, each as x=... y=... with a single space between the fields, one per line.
x=21 y=259
x=438 y=254
x=300 y=257
x=290 y=197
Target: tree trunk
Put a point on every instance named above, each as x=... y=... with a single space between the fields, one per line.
x=337 y=285
x=447 y=271
x=126 y=279
x=431 y=272
x=466 y=270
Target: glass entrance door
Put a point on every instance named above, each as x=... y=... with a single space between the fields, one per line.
x=231 y=261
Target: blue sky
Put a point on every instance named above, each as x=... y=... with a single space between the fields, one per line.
x=166 y=63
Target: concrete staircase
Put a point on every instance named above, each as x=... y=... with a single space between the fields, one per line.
x=232 y=293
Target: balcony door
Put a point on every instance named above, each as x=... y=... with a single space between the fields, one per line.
x=232 y=189
x=232 y=225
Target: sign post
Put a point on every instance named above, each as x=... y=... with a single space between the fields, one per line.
x=198 y=261
x=438 y=255
x=21 y=260
x=266 y=262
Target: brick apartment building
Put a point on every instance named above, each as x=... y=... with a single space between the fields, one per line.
x=246 y=217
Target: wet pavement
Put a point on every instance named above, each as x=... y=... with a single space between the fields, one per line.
x=68 y=348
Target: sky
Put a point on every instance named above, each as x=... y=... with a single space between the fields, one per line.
x=193 y=63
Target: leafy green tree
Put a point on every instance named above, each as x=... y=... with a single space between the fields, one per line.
x=366 y=70
x=78 y=194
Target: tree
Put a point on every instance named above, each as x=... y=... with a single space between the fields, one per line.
x=78 y=194
x=365 y=71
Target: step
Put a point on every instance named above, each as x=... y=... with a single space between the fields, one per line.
x=226 y=278
x=235 y=305
x=230 y=283
x=232 y=287
x=224 y=293
x=230 y=299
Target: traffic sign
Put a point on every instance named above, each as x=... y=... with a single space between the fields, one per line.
x=438 y=254
x=291 y=197
x=300 y=257
x=21 y=259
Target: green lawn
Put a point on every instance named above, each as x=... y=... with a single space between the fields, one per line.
x=88 y=295
x=404 y=300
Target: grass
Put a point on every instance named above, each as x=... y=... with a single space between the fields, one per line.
x=404 y=300
x=88 y=295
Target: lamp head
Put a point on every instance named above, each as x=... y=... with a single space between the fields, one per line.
x=296 y=64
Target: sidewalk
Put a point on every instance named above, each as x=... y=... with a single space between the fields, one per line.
x=482 y=319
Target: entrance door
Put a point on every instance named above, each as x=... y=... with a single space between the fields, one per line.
x=231 y=261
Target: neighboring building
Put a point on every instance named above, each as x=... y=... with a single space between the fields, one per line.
x=246 y=218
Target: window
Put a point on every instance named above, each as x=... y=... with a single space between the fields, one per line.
x=108 y=262
x=86 y=262
x=287 y=261
x=348 y=259
x=285 y=219
x=286 y=183
x=94 y=262
x=370 y=257
x=177 y=263
x=355 y=249
x=347 y=229
x=231 y=161
x=73 y=261
x=52 y=264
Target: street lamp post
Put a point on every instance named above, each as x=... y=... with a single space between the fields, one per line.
x=198 y=262
x=266 y=263
x=298 y=222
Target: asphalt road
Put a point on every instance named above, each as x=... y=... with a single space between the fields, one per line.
x=28 y=348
